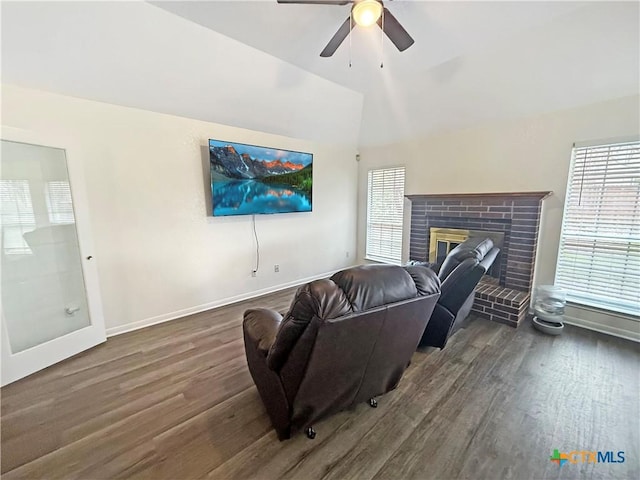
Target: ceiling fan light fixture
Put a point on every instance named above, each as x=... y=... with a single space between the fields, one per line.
x=367 y=12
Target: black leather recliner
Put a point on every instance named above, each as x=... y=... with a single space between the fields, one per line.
x=459 y=274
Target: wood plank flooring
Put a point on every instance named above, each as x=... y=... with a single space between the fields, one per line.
x=176 y=401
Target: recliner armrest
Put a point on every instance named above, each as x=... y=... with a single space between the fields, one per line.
x=261 y=327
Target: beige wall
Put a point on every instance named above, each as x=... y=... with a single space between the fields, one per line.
x=159 y=252
x=530 y=154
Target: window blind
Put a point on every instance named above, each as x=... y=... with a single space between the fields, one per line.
x=599 y=256
x=385 y=209
x=17 y=216
x=59 y=204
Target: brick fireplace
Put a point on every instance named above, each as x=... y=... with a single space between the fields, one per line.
x=504 y=297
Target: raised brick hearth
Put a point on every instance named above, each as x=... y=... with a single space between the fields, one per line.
x=517 y=215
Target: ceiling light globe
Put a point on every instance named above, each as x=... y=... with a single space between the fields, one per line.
x=367 y=12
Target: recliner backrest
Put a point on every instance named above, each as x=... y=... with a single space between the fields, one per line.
x=359 y=356
x=369 y=286
x=351 y=290
x=348 y=292
x=322 y=299
x=462 y=270
x=472 y=248
x=460 y=283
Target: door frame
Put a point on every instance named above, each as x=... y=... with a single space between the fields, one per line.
x=31 y=360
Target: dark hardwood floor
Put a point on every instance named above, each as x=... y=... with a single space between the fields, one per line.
x=175 y=401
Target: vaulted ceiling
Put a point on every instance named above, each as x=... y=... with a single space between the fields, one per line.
x=472 y=62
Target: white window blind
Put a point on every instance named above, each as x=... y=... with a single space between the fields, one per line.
x=59 y=204
x=599 y=257
x=385 y=206
x=17 y=216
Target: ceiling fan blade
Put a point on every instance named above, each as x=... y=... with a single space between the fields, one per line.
x=396 y=32
x=317 y=2
x=338 y=38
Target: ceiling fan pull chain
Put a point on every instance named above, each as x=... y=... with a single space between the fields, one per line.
x=382 y=42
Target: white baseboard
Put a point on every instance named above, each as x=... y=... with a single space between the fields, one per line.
x=599 y=327
x=147 y=322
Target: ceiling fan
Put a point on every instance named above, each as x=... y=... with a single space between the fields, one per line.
x=363 y=13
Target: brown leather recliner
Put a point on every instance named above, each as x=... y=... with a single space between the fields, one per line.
x=345 y=340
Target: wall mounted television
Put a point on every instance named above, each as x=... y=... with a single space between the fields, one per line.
x=249 y=179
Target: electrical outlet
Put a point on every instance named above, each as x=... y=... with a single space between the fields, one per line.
x=347 y=255
x=253 y=273
x=276 y=268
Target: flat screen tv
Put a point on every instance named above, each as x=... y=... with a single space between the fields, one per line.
x=248 y=179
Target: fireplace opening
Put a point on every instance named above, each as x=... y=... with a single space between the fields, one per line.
x=443 y=240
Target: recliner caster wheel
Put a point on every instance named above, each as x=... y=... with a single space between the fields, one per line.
x=311 y=433
x=373 y=403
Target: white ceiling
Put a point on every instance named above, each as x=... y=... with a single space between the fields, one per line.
x=297 y=33
x=472 y=62
x=134 y=54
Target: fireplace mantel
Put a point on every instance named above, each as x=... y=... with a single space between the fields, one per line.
x=453 y=196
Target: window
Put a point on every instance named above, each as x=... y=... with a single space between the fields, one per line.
x=17 y=216
x=385 y=206
x=599 y=257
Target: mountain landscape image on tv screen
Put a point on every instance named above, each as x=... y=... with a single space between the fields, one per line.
x=247 y=179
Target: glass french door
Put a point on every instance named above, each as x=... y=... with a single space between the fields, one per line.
x=47 y=313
